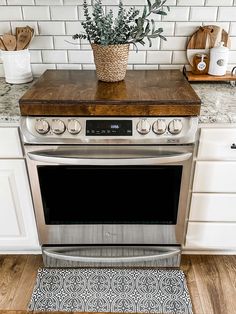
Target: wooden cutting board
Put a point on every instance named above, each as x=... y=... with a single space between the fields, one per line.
x=204 y=38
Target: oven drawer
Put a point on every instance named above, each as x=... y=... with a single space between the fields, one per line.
x=213 y=207
x=111 y=256
x=215 y=176
x=216 y=144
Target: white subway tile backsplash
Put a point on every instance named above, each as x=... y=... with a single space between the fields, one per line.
x=233 y=43
x=69 y=66
x=39 y=69
x=159 y=57
x=5 y=27
x=48 y=2
x=66 y=42
x=80 y=56
x=36 y=13
x=21 y=2
x=35 y=56
x=219 y=3
x=177 y=14
x=51 y=28
x=190 y=2
x=74 y=28
x=174 y=43
x=34 y=25
x=75 y=2
x=171 y=67
x=54 y=56
x=9 y=13
x=186 y=28
x=42 y=42
x=227 y=14
x=203 y=14
x=64 y=13
x=232 y=29
x=88 y=67
x=55 y=21
x=232 y=57
x=145 y=66
x=168 y=27
x=179 y=57
x=137 y=57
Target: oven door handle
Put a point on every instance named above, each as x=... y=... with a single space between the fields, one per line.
x=162 y=252
x=46 y=157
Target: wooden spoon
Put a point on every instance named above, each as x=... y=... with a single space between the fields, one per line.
x=2 y=47
x=9 y=41
x=23 y=40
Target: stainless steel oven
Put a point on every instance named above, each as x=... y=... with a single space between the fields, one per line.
x=110 y=191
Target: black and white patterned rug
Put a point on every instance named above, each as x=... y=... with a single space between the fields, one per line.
x=111 y=290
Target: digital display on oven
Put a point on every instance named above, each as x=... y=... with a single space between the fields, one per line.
x=109 y=127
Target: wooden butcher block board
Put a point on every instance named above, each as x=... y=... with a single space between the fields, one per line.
x=142 y=93
x=204 y=38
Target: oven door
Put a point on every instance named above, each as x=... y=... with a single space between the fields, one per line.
x=110 y=195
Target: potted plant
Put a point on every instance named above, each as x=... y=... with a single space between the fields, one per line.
x=110 y=36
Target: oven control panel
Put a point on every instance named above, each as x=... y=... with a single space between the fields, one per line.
x=109 y=127
x=96 y=130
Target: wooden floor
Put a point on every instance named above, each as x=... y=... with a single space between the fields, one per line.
x=211 y=281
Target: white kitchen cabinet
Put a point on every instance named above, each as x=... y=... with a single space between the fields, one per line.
x=215 y=176
x=211 y=235
x=212 y=217
x=17 y=222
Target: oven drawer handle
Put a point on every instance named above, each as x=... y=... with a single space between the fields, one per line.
x=166 y=253
x=47 y=158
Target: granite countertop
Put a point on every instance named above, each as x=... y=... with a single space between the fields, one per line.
x=218 y=101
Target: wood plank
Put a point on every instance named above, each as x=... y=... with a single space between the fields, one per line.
x=10 y=274
x=186 y=266
x=26 y=282
x=209 y=78
x=142 y=93
x=210 y=283
x=227 y=289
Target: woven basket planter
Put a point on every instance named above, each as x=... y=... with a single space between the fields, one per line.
x=111 y=61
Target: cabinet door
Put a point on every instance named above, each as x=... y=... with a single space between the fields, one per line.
x=210 y=235
x=17 y=223
x=215 y=177
x=215 y=144
x=213 y=207
x=10 y=145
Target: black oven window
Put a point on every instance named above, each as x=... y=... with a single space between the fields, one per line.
x=110 y=194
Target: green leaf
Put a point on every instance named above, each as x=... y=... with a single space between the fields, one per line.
x=149 y=5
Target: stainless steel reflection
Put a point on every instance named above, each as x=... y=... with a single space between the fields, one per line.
x=122 y=155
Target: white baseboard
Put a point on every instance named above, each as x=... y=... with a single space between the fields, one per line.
x=208 y=252
x=37 y=252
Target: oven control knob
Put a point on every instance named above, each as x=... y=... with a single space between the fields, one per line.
x=175 y=126
x=73 y=126
x=42 y=126
x=159 y=127
x=58 y=126
x=143 y=126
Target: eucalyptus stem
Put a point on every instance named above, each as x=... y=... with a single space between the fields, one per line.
x=129 y=26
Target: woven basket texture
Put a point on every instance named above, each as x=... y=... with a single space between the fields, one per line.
x=111 y=61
